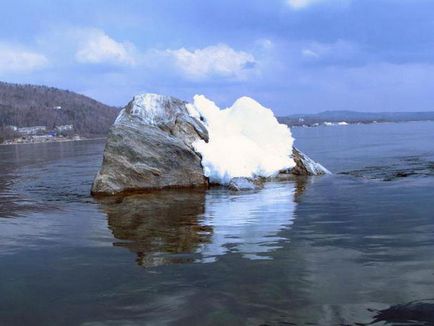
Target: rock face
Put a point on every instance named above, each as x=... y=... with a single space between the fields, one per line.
x=150 y=147
x=305 y=165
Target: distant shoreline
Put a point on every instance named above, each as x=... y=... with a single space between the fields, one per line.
x=347 y=123
x=53 y=141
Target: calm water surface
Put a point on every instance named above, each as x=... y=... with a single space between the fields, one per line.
x=320 y=251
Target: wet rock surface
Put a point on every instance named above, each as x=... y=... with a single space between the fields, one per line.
x=304 y=166
x=402 y=168
x=420 y=312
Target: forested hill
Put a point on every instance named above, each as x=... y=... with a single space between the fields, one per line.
x=31 y=105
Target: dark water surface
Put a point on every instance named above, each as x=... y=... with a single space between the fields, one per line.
x=320 y=251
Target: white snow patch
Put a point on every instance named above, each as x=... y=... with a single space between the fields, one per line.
x=120 y=117
x=245 y=140
x=330 y=124
x=149 y=108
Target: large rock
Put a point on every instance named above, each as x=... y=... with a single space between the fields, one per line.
x=150 y=147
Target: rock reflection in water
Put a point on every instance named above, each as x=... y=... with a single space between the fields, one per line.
x=161 y=227
x=175 y=226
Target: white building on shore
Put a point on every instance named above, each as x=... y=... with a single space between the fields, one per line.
x=64 y=128
x=31 y=130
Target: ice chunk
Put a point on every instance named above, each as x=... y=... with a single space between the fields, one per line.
x=245 y=140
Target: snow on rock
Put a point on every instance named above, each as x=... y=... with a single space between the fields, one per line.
x=151 y=109
x=160 y=141
x=245 y=140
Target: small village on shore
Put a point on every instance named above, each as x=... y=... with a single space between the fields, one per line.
x=41 y=134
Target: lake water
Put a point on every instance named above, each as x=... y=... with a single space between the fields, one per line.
x=329 y=250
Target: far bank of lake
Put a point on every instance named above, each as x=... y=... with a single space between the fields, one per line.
x=45 y=139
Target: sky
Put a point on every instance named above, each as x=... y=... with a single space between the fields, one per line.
x=293 y=56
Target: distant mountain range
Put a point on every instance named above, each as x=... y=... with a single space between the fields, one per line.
x=354 y=117
x=31 y=105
